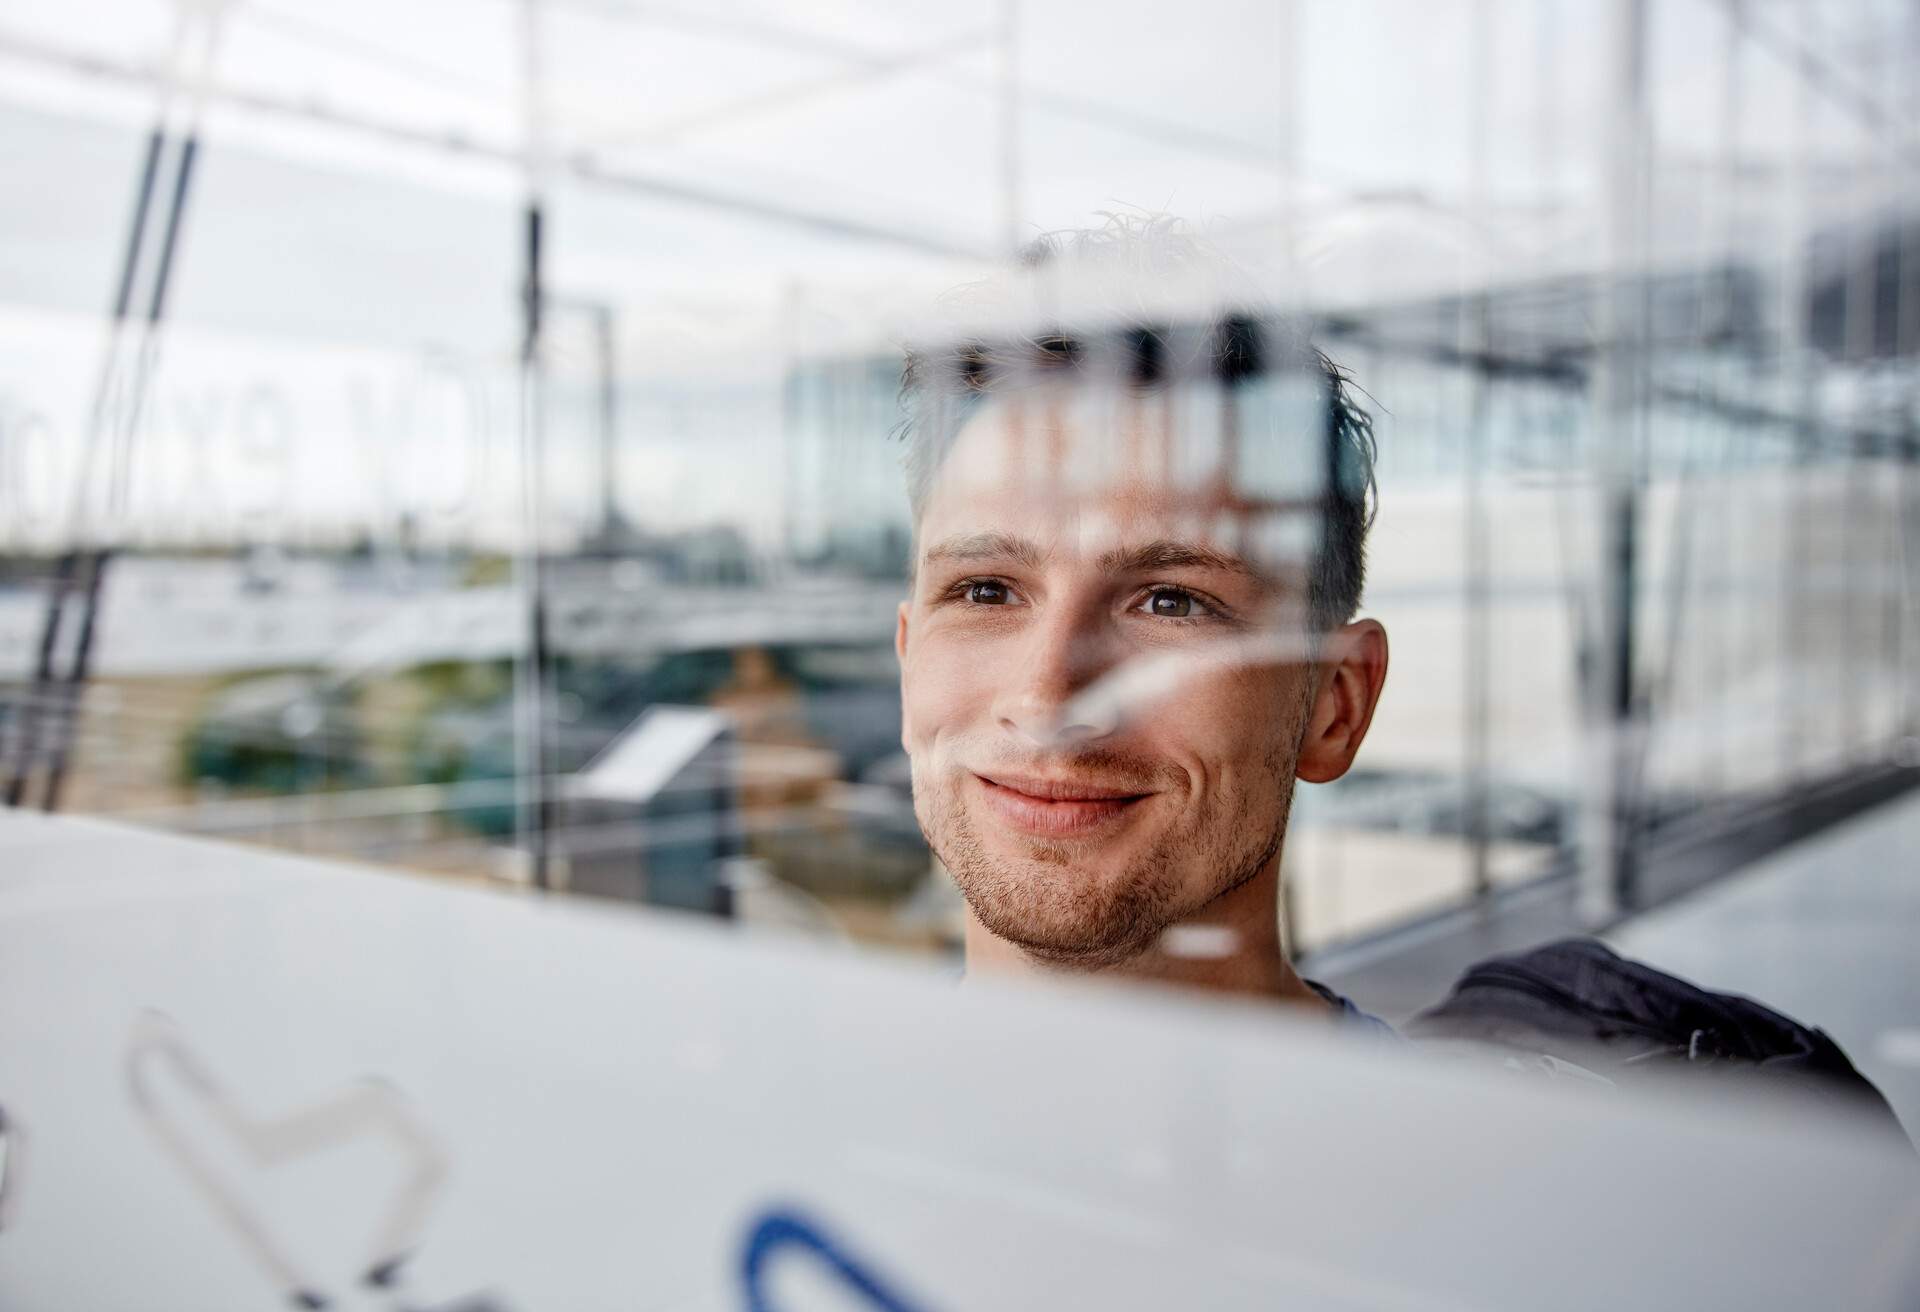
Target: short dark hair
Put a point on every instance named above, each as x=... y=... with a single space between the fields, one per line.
x=941 y=387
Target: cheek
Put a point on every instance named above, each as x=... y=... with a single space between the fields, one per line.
x=944 y=688
x=1234 y=723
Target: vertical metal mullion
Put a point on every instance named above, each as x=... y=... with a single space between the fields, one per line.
x=1717 y=655
x=533 y=755
x=1475 y=332
x=1906 y=346
x=534 y=765
x=1793 y=351
x=612 y=518
x=1619 y=397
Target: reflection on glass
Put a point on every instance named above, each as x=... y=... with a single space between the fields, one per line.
x=1644 y=467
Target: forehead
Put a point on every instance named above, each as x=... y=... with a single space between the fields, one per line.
x=1083 y=470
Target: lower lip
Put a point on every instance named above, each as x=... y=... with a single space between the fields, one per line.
x=1055 y=818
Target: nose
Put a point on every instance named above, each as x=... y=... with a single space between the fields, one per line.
x=1038 y=701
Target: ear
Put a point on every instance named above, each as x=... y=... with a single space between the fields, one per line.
x=1349 y=676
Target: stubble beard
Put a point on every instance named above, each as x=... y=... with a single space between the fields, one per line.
x=1059 y=909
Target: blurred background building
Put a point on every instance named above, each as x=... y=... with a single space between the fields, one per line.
x=456 y=434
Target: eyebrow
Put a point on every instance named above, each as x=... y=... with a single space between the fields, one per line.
x=1162 y=554
x=1168 y=554
x=986 y=546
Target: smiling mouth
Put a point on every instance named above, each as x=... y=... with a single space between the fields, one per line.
x=1057 y=808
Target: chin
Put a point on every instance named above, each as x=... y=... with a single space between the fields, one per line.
x=1081 y=950
x=1069 y=913
x=1087 y=956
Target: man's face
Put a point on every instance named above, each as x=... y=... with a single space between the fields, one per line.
x=1101 y=743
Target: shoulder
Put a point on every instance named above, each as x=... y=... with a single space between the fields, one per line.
x=1350 y=1016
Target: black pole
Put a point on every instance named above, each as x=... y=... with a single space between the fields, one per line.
x=66 y=725
x=539 y=817
x=170 y=237
x=1479 y=608
x=142 y=201
x=612 y=521
x=1623 y=512
x=26 y=742
x=68 y=696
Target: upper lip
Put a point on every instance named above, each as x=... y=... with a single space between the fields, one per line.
x=1060 y=790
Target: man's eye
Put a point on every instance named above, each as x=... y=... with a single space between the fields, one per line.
x=986 y=592
x=1173 y=604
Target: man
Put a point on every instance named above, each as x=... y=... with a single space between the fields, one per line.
x=1137 y=557
x=1138 y=550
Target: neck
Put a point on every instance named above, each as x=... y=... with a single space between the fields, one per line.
x=1231 y=945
